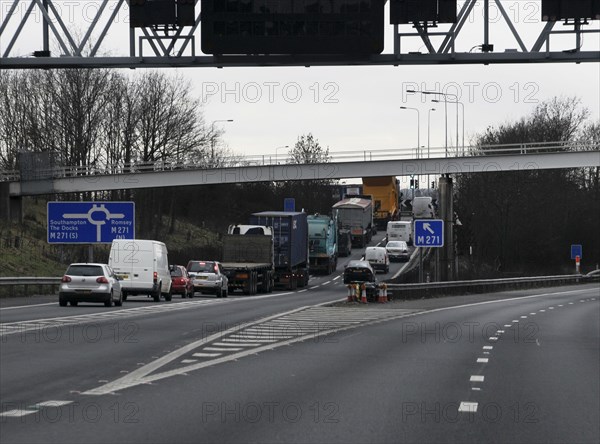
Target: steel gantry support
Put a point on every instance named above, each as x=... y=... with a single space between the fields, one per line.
x=56 y=44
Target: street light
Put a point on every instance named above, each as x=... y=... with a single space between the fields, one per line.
x=212 y=137
x=428 y=136
x=413 y=91
x=277 y=149
x=463 y=124
x=418 y=127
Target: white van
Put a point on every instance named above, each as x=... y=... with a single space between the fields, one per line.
x=422 y=208
x=142 y=267
x=378 y=258
x=399 y=231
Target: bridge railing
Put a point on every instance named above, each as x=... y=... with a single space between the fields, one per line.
x=283 y=159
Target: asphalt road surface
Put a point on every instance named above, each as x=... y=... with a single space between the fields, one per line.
x=518 y=366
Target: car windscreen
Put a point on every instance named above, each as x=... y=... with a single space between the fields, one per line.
x=395 y=244
x=202 y=267
x=85 y=270
x=359 y=274
x=176 y=272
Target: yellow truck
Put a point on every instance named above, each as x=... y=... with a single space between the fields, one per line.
x=385 y=198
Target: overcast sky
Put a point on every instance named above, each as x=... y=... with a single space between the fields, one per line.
x=356 y=108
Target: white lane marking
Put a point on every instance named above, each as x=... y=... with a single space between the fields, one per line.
x=543 y=311
x=486 y=353
x=222 y=349
x=493 y=338
x=16 y=413
x=507 y=325
x=237 y=344
x=242 y=342
x=325 y=283
x=189 y=361
x=515 y=320
x=206 y=355
x=302 y=291
x=467 y=407
x=477 y=378
x=523 y=317
x=500 y=331
x=477 y=389
x=488 y=347
x=336 y=278
x=550 y=308
x=570 y=303
x=532 y=314
x=560 y=305
x=52 y=404
x=27 y=306
x=143 y=376
x=484 y=360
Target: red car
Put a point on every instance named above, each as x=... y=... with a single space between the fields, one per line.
x=181 y=282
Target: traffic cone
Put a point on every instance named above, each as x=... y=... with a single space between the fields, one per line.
x=350 y=293
x=385 y=296
x=380 y=297
x=363 y=294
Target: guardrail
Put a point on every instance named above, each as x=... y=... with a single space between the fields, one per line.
x=413 y=291
x=251 y=160
x=8 y=285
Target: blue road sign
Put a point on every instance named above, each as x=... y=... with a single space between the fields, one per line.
x=429 y=233
x=289 y=205
x=576 y=250
x=90 y=222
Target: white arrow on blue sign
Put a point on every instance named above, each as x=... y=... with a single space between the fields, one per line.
x=90 y=222
x=429 y=233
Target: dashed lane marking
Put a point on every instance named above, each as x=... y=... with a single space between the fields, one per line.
x=488 y=347
x=482 y=360
x=477 y=378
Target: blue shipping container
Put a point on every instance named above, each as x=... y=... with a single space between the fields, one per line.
x=290 y=236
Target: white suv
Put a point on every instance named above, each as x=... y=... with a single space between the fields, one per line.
x=208 y=277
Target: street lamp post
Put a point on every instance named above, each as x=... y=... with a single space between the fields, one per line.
x=212 y=138
x=418 y=128
x=428 y=137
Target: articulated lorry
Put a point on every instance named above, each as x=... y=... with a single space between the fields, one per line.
x=356 y=214
x=385 y=198
x=322 y=243
x=290 y=244
x=248 y=259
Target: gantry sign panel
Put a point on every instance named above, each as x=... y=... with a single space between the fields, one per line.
x=352 y=27
x=422 y=11
x=553 y=10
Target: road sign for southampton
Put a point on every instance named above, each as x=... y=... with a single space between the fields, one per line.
x=90 y=222
x=429 y=233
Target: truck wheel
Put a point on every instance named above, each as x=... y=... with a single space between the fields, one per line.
x=156 y=295
x=124 y=293
x=168 y=296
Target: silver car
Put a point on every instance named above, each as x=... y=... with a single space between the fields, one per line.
x=208 y=277
x=90 y=283
x=397 y=250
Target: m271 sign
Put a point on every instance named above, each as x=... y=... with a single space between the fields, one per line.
x=90 y=222
x=429 y=233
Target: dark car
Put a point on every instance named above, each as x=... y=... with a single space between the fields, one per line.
x=181 y=282
x=344 y=243
x=361 y=272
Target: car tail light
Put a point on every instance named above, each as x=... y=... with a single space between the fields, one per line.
x=155 y=276
x=102 y=280
x=216 y=268
x=66 y=278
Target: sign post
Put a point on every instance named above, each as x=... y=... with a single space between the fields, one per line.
x=428 y=233
x=576 y=254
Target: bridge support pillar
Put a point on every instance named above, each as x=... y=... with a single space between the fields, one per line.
x=446 y=268
x=11 y=207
